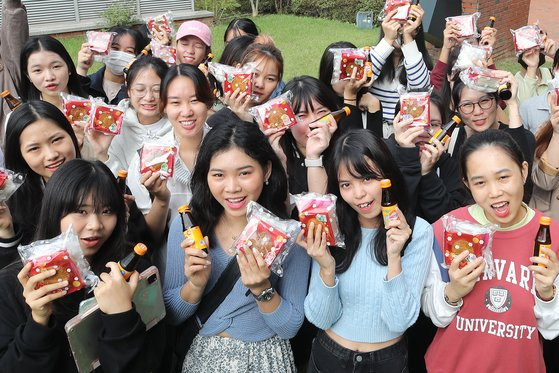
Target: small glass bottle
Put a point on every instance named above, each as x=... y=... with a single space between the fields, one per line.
x=130 y=261
x=388 y=204
x=121 y=180
x=190 y=229
x=333 y=116
x=543 y=238
x=445 y=132
x=12 y=101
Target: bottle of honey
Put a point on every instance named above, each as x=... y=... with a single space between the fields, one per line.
x=445 y=132
x=388 y=204
x=335 y=115
x=12 y=101
x=190 y=229
x=543 y=238
x=491 y=23
x=130 y=261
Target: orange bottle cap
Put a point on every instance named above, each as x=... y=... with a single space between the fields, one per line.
x=347 y=110
x=457 y=119
x=545 y=220
x=184 y=208
x=385 y=183
x=140 y=249
x=492 y=18
x=122 y=173
x=5 y=93
x=210 y=55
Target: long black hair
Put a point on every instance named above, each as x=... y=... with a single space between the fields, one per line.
x=25 y=201
x=388 y=70
x=245 y=25
x=134 y=34
x=355 y=150
x=234 y=50
x=235 y=133
x=68 y=189
x=45 y=43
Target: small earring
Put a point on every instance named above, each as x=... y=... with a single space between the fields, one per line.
x=267 y=182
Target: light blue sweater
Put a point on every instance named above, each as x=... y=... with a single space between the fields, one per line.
x=239 y=314
x=362 y=306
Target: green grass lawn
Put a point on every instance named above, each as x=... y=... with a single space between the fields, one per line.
x=302 y=41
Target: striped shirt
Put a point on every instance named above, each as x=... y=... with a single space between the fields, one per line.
x=387 y=91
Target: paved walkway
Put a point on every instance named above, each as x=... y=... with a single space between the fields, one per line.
x=547 y=12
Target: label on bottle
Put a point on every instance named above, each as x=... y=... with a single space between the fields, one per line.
x=389 y=213
x=195 y=234
x=124 y=272
x=328 y=120
x=542 y=255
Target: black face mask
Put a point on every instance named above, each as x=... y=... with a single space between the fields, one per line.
x=523 y=64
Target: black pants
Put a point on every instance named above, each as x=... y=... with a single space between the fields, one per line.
x=329 y=357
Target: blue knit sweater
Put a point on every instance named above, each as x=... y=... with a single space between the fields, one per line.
x=239 y=314
x=362 y=306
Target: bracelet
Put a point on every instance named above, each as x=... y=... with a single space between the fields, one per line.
x=313 y=162
x=552 y=297
x=350 y=99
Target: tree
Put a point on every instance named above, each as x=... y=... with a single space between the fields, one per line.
x=254 y=6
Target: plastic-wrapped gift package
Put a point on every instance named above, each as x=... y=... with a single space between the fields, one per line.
x=106 y=118
x=346 y=59
x=471 y=55
x=481 y=79
x=100 y=42
x=553 y=87
x=416 y=106
x=165 y=52
x=271 y=236
x=232 y=78
x=158 y=158
x=527 y=37
x=320 y=209
x=9 y=183
x=76 y=109
x=63 y=254
x=161 y=23
x=461 y=235
x=275 y=113
x=402 y=13
x=467 y=24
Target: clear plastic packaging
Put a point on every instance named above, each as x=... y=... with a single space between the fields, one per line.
x=467 y=24
x=166 y=52
x=460 y=235
x=76 y=109
x=162 y=23
x=158 y=158
x=105 y=118
x=416 y=105
x=320 y=209
x=553 y=87
x=100 y=43
x=232 y=78
x=9 y=183
x=64 y=254
x=527 y=37
x=481 y=79
x=401 y=15
x=275 y=113
x=346 y=59
x=471 y=55
x=271 y=236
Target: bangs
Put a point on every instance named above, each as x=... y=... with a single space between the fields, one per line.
x=99 y=187
x=359 y=166
x=302 y=99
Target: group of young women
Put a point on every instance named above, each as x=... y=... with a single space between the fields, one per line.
x=334 y=309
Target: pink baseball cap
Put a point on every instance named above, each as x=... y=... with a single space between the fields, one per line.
x=196 y=28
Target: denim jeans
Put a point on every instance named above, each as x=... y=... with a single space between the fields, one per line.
x=329 y=357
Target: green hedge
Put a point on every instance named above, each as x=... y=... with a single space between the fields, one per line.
x=335 y=9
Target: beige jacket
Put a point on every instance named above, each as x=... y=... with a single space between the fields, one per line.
x=545 y=196
x=13 y=35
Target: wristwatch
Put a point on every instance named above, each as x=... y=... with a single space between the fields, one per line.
x=265 y=296
x=313 y=162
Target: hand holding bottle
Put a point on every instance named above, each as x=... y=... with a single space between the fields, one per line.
x=113 y=293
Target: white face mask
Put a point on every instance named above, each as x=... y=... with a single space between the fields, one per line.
x=116 y=61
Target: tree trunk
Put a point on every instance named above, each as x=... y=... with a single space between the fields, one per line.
x=254 y=7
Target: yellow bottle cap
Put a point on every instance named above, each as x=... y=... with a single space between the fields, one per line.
x=140 y=249
x=5 y=93
x=184 y=208
x=385 y=183
x=210 y=55
x=457 y=119
x=492 y=18
x=122 y=173
x=545 y=220
x=347 y=110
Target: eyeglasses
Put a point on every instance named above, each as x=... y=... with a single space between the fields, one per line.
x=142 y=91
x=484 y=104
